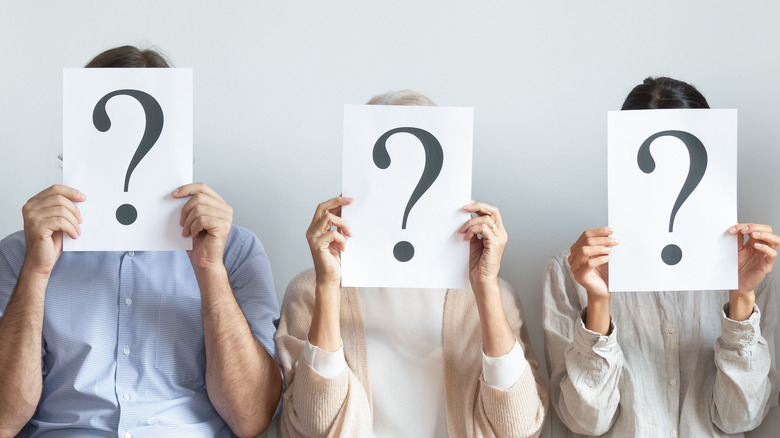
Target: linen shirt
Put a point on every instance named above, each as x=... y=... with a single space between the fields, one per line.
x=123 y=344
x=673 y=365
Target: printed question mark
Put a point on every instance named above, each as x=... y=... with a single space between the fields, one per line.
x=672 y=254
x=126 y=214
x=434 y=159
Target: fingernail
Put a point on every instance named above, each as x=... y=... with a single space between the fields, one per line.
x=745 y=229
x=175 y=192
x=755 y=233
x=733 y=230
x=608 y=250
x=758 y=245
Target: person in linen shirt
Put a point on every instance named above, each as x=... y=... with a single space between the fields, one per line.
x=167 y=343
x=406 y=362
x=652 y=364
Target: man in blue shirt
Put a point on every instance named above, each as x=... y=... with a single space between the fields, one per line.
x=136 y=343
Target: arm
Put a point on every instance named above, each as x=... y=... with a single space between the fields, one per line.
x=512 y=399
x=746 y=384
x=243 y=380
x=314 y=404
x=47 y=216
x=584 y=365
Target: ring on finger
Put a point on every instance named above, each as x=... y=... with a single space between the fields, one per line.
x=493 y=226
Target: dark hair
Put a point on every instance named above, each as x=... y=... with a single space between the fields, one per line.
x=664 y=93
x=129 y=56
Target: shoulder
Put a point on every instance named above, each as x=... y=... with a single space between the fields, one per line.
x=242 y=244
x=241 y=237
x=558 y=263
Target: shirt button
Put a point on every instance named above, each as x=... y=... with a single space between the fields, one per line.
x=671 y=330
x=128 y=301
x=127 y=435
x=125 y=396
x=673 y=433
x=131 y=253
x=126 y=351
x=673 y=382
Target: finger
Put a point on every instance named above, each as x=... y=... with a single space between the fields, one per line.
x=205 y=201
x=333 y=206
x=766 y=238
x=595 y=251
x=481 y=228
x=748 y=227
x=331 y=239
x=59 y=223
x=51 y=205
x=593 y=232
x=583 y=242
x=330 y=220
x=481 y=208
x=479 y=220
x=194 y=189
x=767 y=250
x=214 y=217
x=58 y=189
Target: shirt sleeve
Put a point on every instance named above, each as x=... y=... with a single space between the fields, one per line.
x=584 y=366
x=325 y=363
x=502 y=372
x=249 y=271
x=313 y=404
x=520 y=409
x=746 y=383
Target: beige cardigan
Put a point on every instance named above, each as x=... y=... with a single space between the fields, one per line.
x=314 y=406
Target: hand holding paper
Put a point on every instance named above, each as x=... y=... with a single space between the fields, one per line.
x=207 y=218
x=485 y=253
x=47 y=216
x=326 y=237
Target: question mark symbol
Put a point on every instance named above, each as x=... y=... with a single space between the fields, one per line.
x=672 y=254
x=434 y=159
x=126 y=214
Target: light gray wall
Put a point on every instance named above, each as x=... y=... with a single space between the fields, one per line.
x=271 y=79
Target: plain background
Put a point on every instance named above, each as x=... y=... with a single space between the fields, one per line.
x=271 y=79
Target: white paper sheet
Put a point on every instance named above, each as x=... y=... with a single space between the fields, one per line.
x=98 y=163
x=440 y=258
x=641 y=204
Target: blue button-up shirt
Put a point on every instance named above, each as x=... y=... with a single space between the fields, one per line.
x=123 y=348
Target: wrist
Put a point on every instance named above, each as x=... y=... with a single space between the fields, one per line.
x=741 y=305
x=597 y=317
x=484 y=284
x=35 y=271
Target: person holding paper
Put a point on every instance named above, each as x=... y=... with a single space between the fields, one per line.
x=649 y=364
x=130 y=344
x=407 y=362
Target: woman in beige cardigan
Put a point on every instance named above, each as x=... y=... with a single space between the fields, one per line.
x=394 y=362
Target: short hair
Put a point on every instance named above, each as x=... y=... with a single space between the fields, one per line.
x=128 y=56
x=664 y=93
x=401 y=97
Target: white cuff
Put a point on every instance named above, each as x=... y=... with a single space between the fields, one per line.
x=324 y=363
x=504 y=371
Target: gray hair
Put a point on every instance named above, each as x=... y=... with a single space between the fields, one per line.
x=401 y=97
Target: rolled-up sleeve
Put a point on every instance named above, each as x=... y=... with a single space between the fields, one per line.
x=584 y=367
x=746 y=383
